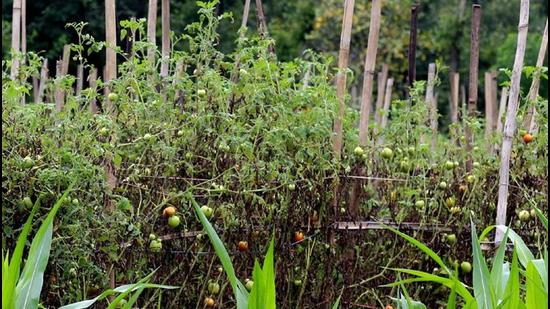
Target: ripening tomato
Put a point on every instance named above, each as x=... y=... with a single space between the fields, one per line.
x=169 y=211
x=209 y=302
x=298 y=236
x=243 y=245
x=527 y=138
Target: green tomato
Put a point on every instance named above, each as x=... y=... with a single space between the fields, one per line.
x=411 y=150
x=449 y=165
x=249 y=285
x=207 y=211
x=27 y=202
x=524 y=215
x=451 y=238
x=405 y=166
x=466 y=267
x=298 y=282
x=104 y=132
x=201 y=92
x=113 y=97
x=450 y=202
x=180 y=133
x=477 y=164
x=387 y=153
x=155 y=245
x=174 y=221
x=358 y=151
x=470 y=179
x=442 y=185
x=213 y=288
x=152 y=236
x=28 y=162
x=291 y=186
x=420 y=204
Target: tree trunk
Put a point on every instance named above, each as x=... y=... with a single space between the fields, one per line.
x=510 y=124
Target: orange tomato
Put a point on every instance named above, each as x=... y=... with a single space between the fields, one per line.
x=298 y=236
x=209 y=302
x=169 y=211
x=527 y=138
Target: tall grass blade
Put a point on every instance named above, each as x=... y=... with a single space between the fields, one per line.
x=535 y=295
x=482 y=288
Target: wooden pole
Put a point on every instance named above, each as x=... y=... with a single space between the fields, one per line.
x=15 y=37
x=489 y=105
x=66 y=59
x=412 y=46
x=43 y=81
x=341 y=77
x=152 y=30
x=366 y=97
x=23 y=37
x=510 y=124
x=502 y=109
x=472 y=89
x=386 y=108
x=529 y=122
x=92 y=83
x=368 y=74
x=79 y=78
x=431 y=103
x=110 y=53
x=58 y=90
x=381 y=84
x=165 y=15
x=455 y=80
x=246 y=11
x=262 y=24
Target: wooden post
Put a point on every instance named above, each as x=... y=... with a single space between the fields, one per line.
x=246 y=11
x=43 y=81
x=66 y=59
x=23 y=37
x=92 y=84
x=35 y=83
x=15 y=37
x=79 y=78
x=152 y=30
x=490 y=105
x=110 y=53
x=431 y=100
x=455 y=80
x=502 y=109
x=472 y=89
x=165 y=64
x=381 y=84
x=386 y=108
x=412 y=46
x=529 y=122
x=368 y=74
x=510 y=124
x=58 y=90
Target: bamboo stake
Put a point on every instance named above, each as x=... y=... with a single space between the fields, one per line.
x=246 y=11
x=341 y=76
x=529 y=123
x=472 y=92
x=58 y=90
x=368 y=74
x=92 y=83
x=412 y=46
x=152 y=30
x=366 y=96
x=110 y=53
x=23 y=37
x=455 y=80
x=43 y=81
x=35 y=83
x=79 y=78
x=510 y=124
x=15 y=38
x=165 y=15
x=381 y=83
